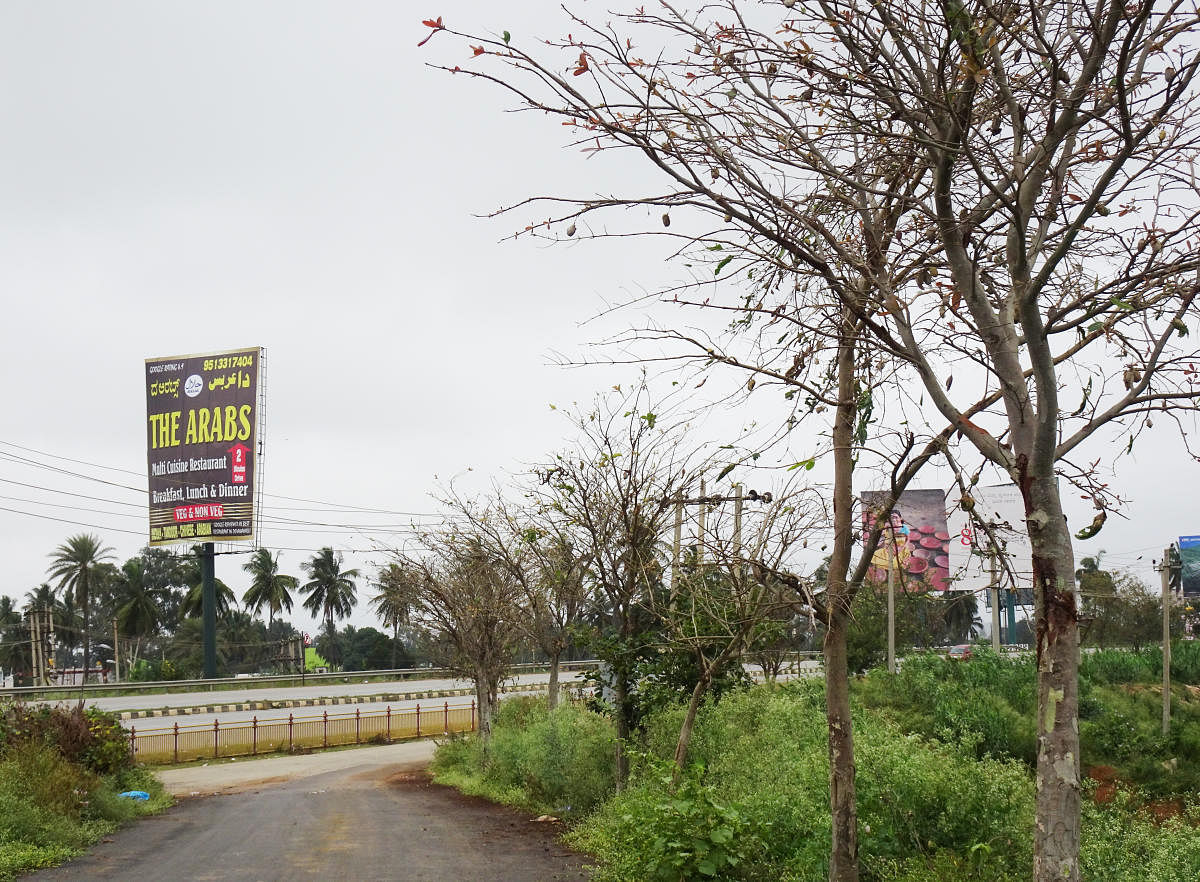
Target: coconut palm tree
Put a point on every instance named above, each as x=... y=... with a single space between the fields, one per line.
x=14 y=638
x=393 y=603
x=268 y=586
x=74 y=564
x=331 y=591
x=138 y=603
x=192 y=606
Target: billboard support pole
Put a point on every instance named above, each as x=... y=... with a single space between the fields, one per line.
x=1011 y=595
x=1165 y=572
x=209 y=598
x=994 y=590
x=891 y=659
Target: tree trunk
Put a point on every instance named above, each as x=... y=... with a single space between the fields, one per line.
x=843 y=855
x=485 y=698
x=689 y=721
x=552 y=687
x=1057 y=820
x=843 y=852
x=620 y=696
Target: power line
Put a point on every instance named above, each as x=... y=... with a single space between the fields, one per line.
x=326 y=505
x=74 y=523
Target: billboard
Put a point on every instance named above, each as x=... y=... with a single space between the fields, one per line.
x=201 y=431
x=915 y=541
x=1003 y=509
x=1189 y=555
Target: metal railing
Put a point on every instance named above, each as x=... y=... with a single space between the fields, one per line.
x=192 y=741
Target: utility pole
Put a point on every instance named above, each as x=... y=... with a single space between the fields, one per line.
x=737 y=519
x=704 y=500
x=209 y=599
x=1165 y=571
x=116 y=654
x=1172 y=580
x=675 y=548
x=34 y=614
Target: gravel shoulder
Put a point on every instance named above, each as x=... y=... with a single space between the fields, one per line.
x=232 y=776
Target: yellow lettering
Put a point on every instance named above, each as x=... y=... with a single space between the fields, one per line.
x=244 y=423
x=230 y=422
x=164 y=430
x=202 y=430
x=189 y=437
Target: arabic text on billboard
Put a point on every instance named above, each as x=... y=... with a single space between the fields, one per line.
x=200 y=441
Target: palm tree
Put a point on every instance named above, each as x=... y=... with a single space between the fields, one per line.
x=393 y=603
x=137 y=603
x=331 y=590
x=961 y=617
x=268 y=587
x=192 y=604
x=74 y=565
x=14 y=638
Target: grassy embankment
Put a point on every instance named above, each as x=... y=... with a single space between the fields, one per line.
x=61 y=772
x=945 y=788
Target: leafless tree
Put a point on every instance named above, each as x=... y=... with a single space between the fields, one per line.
x=468 y=604
x=529 y=544
x=609 y=498
x=999 y=197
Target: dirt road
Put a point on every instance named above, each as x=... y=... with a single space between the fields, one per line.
x=352 y=815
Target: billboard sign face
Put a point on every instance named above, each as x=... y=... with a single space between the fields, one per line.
x=1004 y=510
x=915 y=544
x=1189 y=555
x=201 y=432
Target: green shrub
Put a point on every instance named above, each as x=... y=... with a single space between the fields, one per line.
x=558 y=761
x=765 y=754
x=87 y=736
x=51 y=809
x=1121 y=844
x=988 y=701
x=1112 y=666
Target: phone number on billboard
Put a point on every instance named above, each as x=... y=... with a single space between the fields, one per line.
x=228 y=361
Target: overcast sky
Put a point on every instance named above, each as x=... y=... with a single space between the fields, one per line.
x=179 y=178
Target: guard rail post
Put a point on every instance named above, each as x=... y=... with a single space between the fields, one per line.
x=418 y=721
x=175 y=748
x=325 y=729
x=216 y=736
x=445 y=718
x=290 y=748
x=254 y=735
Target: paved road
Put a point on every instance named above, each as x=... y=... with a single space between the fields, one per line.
x=374 y=817
x=251 y=693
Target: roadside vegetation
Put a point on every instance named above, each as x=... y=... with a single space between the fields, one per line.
x=945 y=758
x=62 y=770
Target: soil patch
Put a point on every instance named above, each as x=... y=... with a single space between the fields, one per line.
x=503 y=827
